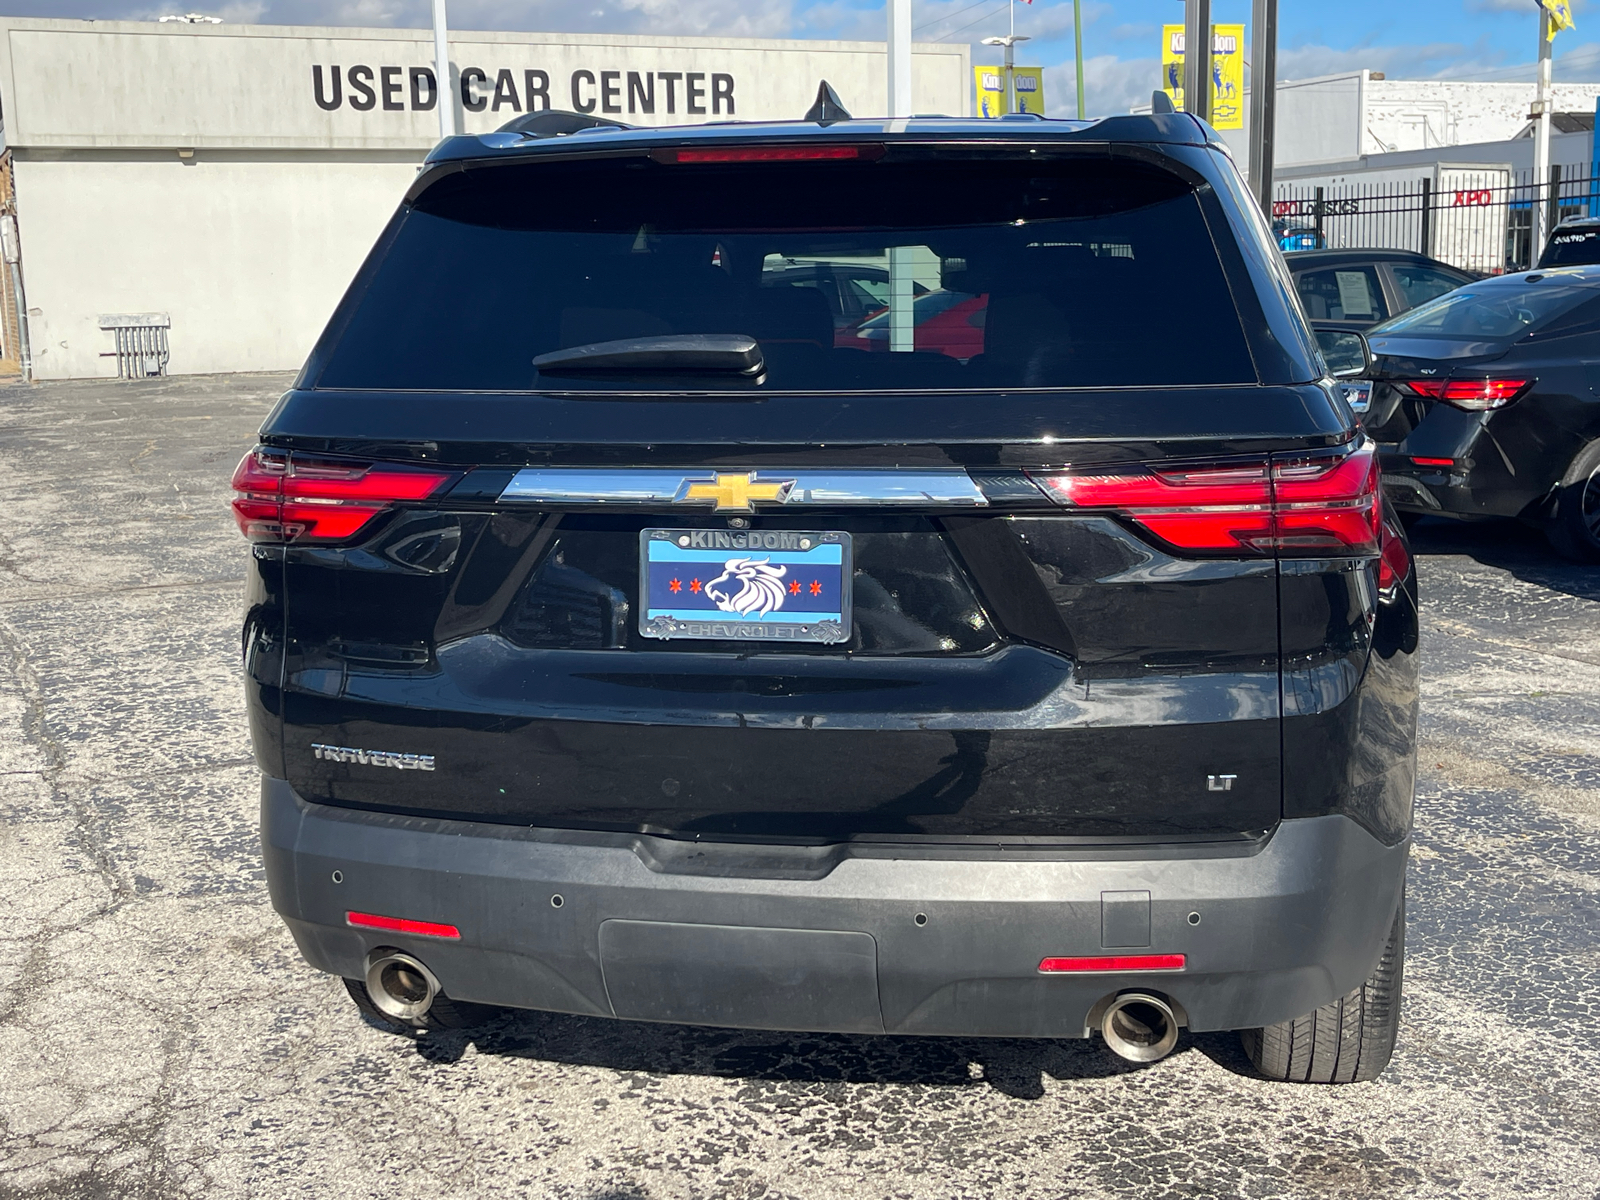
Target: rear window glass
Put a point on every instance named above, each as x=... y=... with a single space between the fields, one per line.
x=1502 y=310
x=923 y=273
x=1572 y=247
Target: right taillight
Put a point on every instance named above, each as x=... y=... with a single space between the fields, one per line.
x=1306 y=505
x=1472 y=395
x=280 y=498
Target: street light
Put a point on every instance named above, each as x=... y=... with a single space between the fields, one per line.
x=1009 y=42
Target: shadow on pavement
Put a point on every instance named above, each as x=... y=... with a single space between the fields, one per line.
x=1015 y=1067
x=1509 y=546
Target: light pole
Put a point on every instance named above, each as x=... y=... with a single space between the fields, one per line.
x=1077 y=50
x=1197 y=58
x=441 y=71
x=899 y=58
x=1263 y=98
x=1542 y=202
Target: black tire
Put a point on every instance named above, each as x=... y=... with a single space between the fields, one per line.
x=1348 y=1041
x=1575 y=529
x=443 y=1013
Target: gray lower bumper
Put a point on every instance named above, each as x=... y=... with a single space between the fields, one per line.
x=1282 y=930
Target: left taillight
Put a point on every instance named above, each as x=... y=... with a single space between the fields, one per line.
x=1305 y=505
x=280 y=497
x=1471 y=395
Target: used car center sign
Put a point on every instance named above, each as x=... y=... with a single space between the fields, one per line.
x=117 y=84
x=396 y=89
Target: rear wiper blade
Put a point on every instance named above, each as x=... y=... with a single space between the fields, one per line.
x=681 y=353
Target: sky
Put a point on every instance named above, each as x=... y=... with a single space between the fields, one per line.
x=1422 y=39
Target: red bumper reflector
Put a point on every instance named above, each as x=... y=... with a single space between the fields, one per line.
x=1433 y=462
x=728 y=154
x=400 y=925
x=1115 y=962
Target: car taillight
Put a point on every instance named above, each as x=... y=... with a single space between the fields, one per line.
x=1472 y=395
x=1299 y=505
x=1394 y=560
x=284 y=498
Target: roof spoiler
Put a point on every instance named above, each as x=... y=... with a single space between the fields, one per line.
x=555 y=122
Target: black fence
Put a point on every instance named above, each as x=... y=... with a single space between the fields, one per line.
x=1476 y=218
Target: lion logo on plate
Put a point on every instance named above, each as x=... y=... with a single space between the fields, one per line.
x=748 y=585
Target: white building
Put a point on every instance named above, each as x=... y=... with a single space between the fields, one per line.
x=220 y=184
x=1336 y=118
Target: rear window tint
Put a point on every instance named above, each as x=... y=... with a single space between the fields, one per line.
x=1496 y=310
x=928 y=273
x=1572 y=247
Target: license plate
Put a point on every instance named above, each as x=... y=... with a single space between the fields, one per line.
x=745 y=585
x=1357 y=394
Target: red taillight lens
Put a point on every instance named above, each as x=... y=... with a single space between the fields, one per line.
x=1394 y=560
x=1433 y=462
x=401 y=925
x=1473 y=395
x=297 y=499
x=729 y=154
x=1115 y=962
x=1304 y=505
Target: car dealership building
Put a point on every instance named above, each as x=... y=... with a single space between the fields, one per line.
x=194 y=198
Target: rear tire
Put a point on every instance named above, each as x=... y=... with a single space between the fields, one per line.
x=443 y=1013
x=1348 y=1041
x=1575 y=529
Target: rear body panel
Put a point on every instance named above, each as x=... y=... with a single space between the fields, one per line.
x=1016 y=678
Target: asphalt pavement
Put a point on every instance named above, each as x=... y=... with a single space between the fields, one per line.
x=160 y=1037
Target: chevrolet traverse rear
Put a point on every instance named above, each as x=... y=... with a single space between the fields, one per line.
x=633 y=632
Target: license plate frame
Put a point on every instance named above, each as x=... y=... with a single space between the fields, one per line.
x=731 y=575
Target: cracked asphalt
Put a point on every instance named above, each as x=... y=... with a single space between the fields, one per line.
x=160 y=1037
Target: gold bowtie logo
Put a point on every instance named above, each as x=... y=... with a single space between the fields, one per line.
x=738 y=493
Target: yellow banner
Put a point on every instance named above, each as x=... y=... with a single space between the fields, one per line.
x=1227 y=76
x=1560 y=14
x=1227 y=72
x=990 y=83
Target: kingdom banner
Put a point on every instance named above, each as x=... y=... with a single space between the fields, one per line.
x=1227 y=72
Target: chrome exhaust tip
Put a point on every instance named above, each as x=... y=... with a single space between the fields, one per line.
x=399 y=985
x=1139 y=1027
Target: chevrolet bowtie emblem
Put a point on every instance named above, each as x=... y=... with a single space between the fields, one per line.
x=738 y=493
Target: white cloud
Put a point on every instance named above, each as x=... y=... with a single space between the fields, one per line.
x=1110 y=85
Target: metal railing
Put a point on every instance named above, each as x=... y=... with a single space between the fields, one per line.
x=1475 y=218
x=140 y=341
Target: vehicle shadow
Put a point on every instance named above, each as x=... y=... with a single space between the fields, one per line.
x=1509 y=546
x=1015 y=1067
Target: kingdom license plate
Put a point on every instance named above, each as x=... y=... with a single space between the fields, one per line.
x=745 y=585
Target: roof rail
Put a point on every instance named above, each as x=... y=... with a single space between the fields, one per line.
x=556 y=122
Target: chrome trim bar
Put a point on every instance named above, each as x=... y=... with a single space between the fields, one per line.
x=742 y=491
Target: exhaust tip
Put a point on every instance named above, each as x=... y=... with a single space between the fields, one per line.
x=1140 y=1027
x=400 y=985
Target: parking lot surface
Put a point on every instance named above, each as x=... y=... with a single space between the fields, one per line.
x=160 y=1037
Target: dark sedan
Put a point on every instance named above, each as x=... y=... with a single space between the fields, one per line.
x=1484 y=404
x=1357 y=289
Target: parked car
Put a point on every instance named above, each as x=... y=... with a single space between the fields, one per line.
x=943 y=321
x=621 y=646
x=1483 y=404
x=1574 y=242
x=1360 y=288
x=1293 y=236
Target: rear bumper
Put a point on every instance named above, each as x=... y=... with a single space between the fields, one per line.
x=1285 y=925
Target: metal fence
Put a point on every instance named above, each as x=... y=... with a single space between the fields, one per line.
x=1476 y=218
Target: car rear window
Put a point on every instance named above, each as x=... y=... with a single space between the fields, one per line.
x=921 y=270
x=1572 y=247
x=1498 y=310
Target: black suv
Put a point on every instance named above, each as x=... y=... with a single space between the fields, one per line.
x=619 y=644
